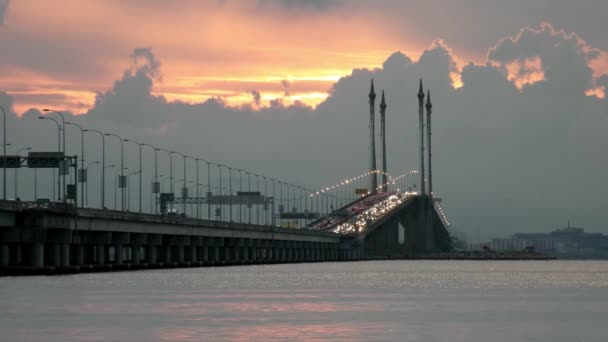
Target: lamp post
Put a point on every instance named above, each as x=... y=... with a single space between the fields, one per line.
x=170 y=171
x=86 y=192
x=219 y=167
x=122 y=168
x=4 y=153
x=139 y=172
x=129 y=189
x=81 y=159
x=66 y=169
x=196 y=180
x=16 y=173
x=240 y=189
x=198 y=197
x=103 y=166
x=152 y=197
x=154 y=189
x=183 y=189
x=257 y=188
x=265 y=206
x=116 y=186
x=249 y=190
x=58 y=150
x=230 y=193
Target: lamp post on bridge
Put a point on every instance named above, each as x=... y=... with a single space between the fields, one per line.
x=116 y=185
x=86 y=189
x=63 y=167
x=198 y=197
x=4 y=153
x=156 y=187
x=170 y=172
x=184 y=189
x=82 y=180
x=129 y=189
x=139 y=172
x=122 y=168
x=230 y=192
x=58 y=150
x=103 y=166
x=16 y=173
x=249 y=190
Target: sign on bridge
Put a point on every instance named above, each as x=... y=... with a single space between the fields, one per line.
x=44 y=159
x=11 y=161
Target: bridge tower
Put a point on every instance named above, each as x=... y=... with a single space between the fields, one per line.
x=429 y=106
x=383 y=136
x=421 y=124
x=372 y=148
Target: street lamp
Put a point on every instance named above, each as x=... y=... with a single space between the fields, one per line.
x=4 y=154
x=65 y=169
x=140 y=145
x=116 y=186
x=184 y=189
x=154 y=189
x=16 y=179
x=152 y=196
x=103 y=166
x=59 y=150
x=81 y=160
x=122 y=175
x=129 y=189
x=86 y=192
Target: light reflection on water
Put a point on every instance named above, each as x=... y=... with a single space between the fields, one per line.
x=379 y=301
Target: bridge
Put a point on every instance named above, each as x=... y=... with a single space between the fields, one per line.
x=234 y=222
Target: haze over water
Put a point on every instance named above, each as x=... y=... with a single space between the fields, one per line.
x=378 y=301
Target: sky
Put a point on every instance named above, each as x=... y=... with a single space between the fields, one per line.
x=280 y=87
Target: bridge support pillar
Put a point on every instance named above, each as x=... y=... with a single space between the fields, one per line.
x=18 y=254
x=101 y=254
x=151 y=254
x=136 y=254
x=65 y=254
x=4 y=255
x=38 y=255
x=205 y=256
x=192 y=254
x=244 y=256
x=167 y=254
x=180 y=253
x=216 y=255
x=118 y=254
x=56 y=254
x=236 y=254
x=79 y=254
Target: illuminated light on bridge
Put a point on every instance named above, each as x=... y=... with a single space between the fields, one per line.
x=442 y=215
x=360 y=222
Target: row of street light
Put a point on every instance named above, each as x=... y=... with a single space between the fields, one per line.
x=301 y=198
x=300 y=202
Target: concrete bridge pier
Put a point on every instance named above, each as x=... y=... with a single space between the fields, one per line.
x=37 y=255
x=4 y=255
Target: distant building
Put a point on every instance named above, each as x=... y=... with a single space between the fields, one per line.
x=567 y=243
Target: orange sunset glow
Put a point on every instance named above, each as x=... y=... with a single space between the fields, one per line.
x=229 y=50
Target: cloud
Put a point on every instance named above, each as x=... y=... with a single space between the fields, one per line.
x=4 y=4
x=508 y=156
x=144 y=61
x=256 y=96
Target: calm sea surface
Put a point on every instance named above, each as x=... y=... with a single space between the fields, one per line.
x=357 y=301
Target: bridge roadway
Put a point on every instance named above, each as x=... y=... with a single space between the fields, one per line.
x=50 y=238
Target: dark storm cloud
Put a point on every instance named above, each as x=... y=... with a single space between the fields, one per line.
x=505 y=159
